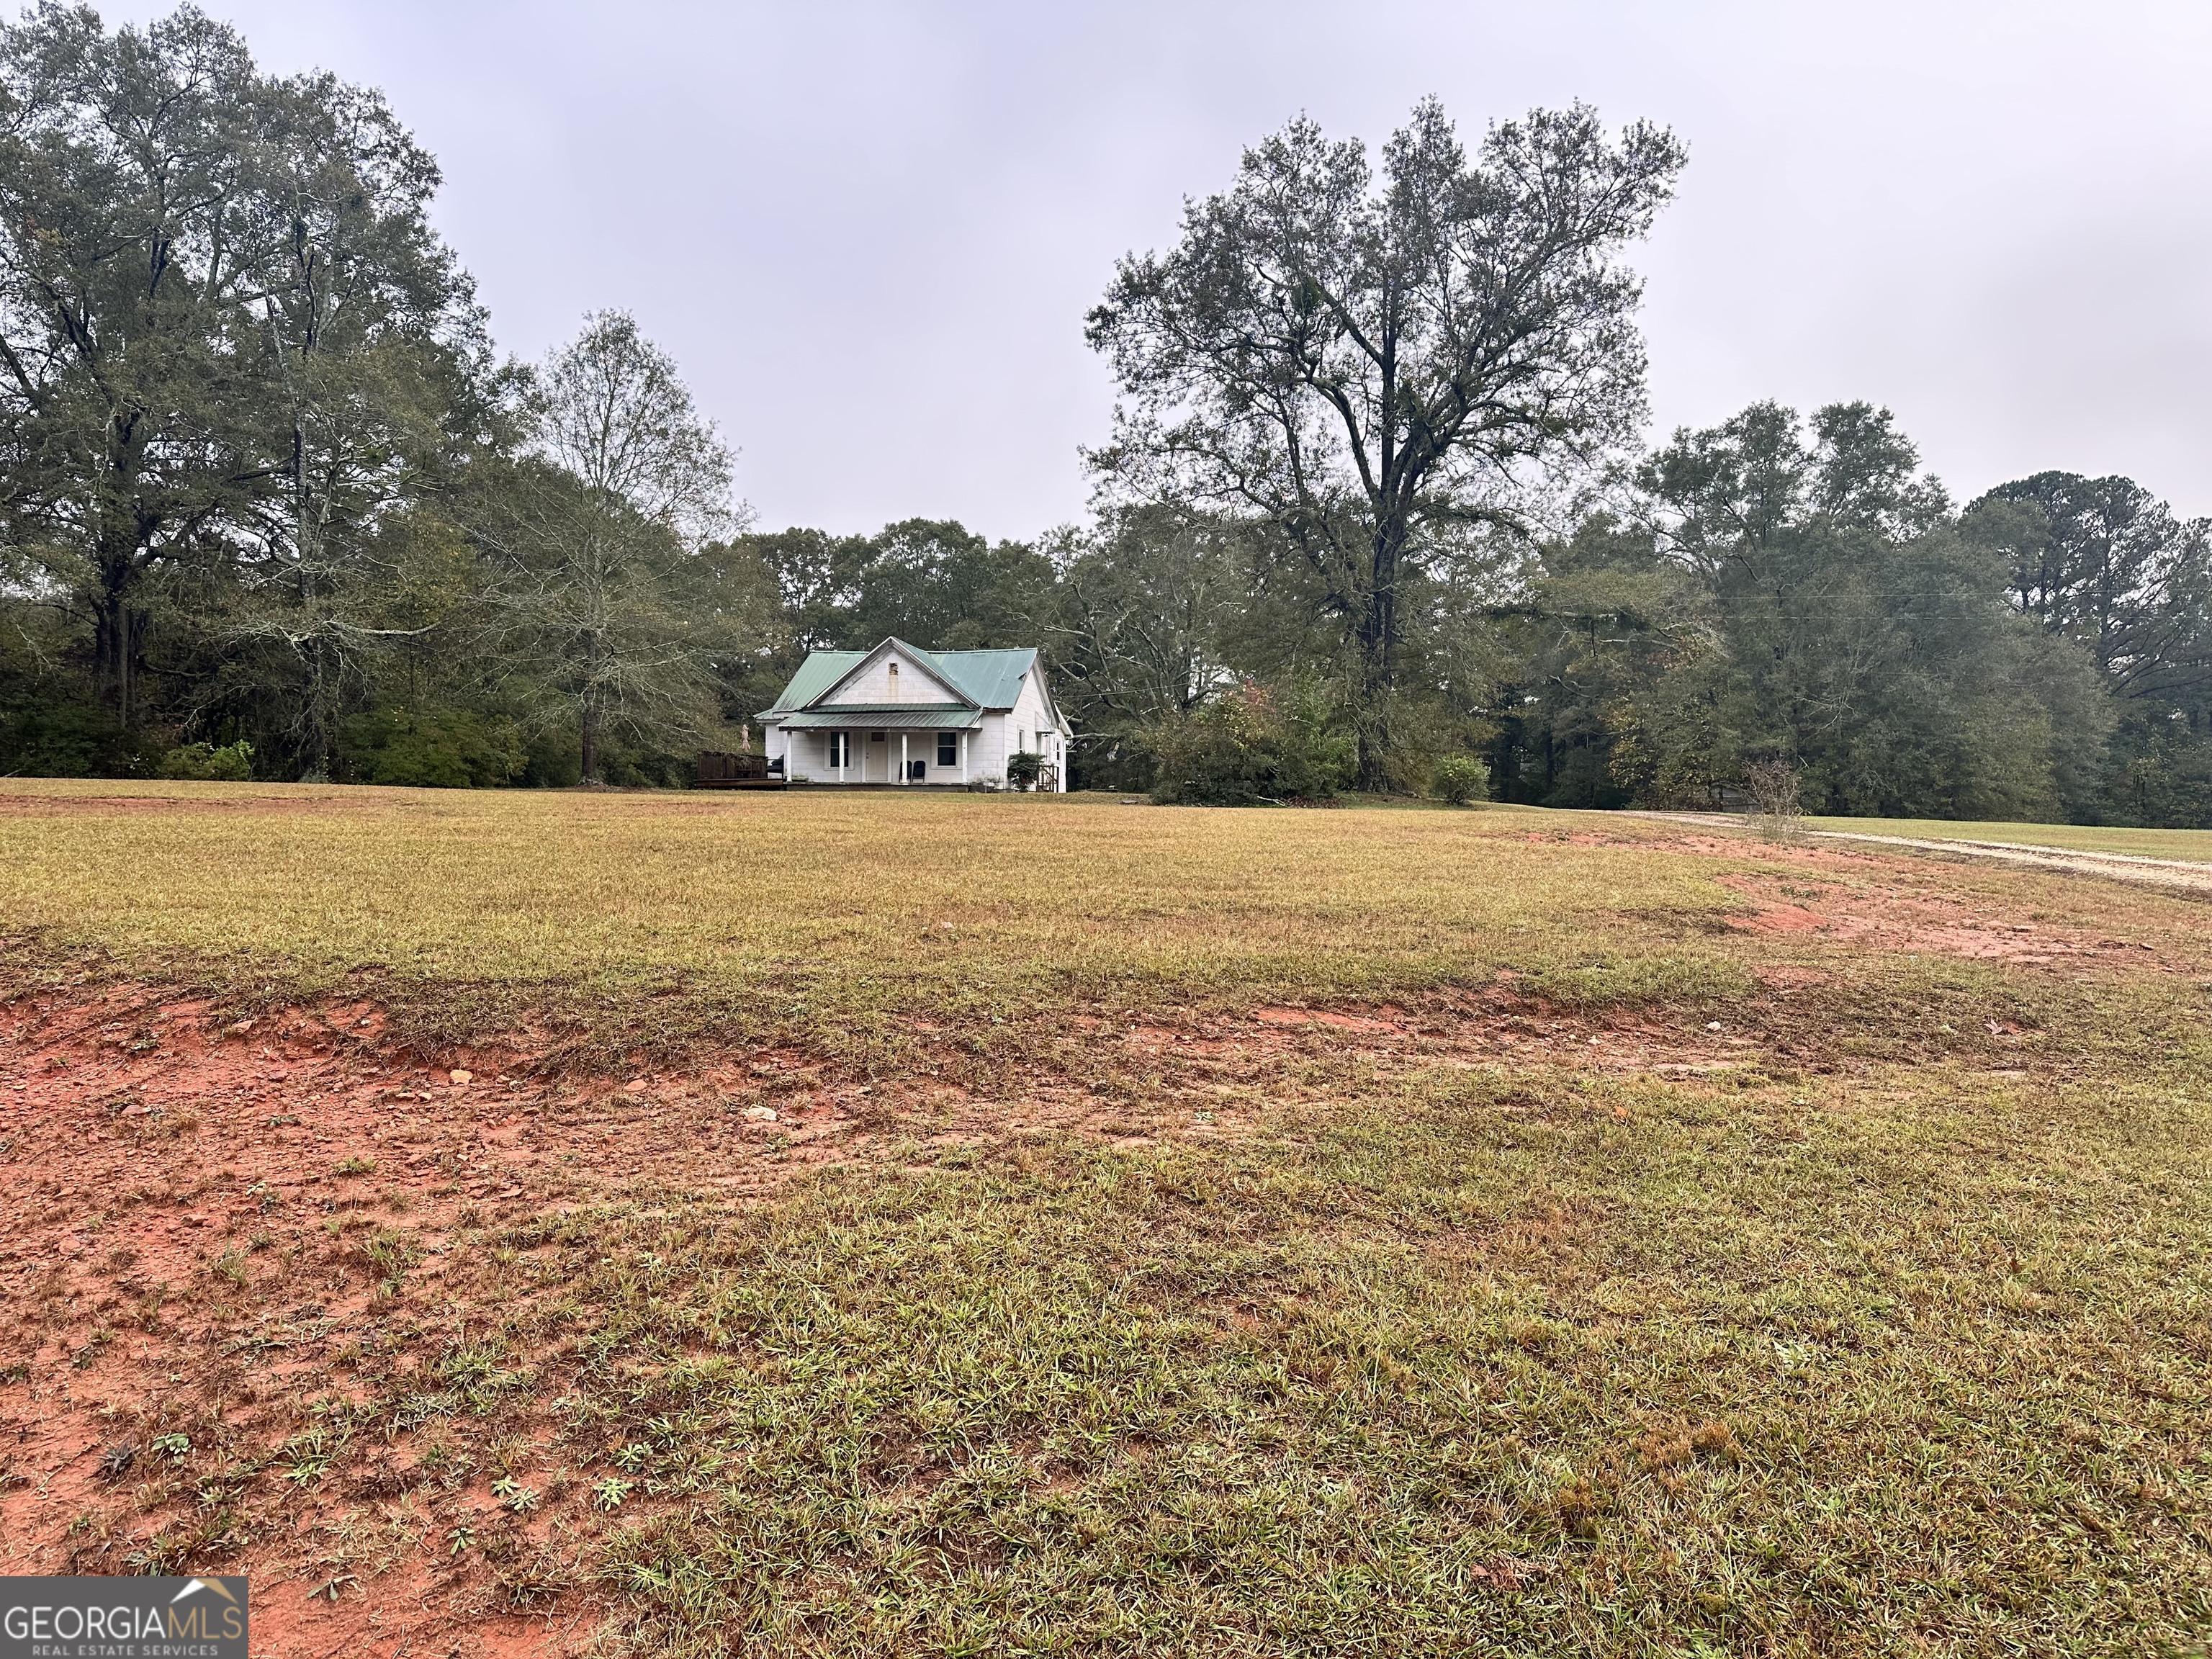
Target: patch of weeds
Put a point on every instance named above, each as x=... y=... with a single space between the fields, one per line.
x=515 y=1495
x=389 y=1254
x=306 y=1458
x=1576 y=1507
x=148 y=1314
x=528 y=1578
x=414 y=1409
x=476 y=1376
x=441 y=1459
x=354 y=1163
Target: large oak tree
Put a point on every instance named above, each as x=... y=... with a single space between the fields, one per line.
x=1377 y=370
x=230 y=345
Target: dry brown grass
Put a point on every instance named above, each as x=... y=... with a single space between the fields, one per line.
x=1238 y=1232
x=804 y=915
x=924 y=902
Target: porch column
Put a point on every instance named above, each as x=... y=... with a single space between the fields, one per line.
x=905 y=771
x=963 y=754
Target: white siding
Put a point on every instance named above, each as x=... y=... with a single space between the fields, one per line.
x=873 y=683
x=1034 y=721
x=986 y=749
x=1029 y=719
x=805 y=752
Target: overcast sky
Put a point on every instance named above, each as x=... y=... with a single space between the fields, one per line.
x=869 y=232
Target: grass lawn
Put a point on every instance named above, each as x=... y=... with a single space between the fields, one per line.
x=949 y=1226
x=807 y=913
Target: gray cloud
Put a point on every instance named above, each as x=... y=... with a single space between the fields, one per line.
x=870 y=232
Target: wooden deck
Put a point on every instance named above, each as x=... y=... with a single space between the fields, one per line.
x=719 y=771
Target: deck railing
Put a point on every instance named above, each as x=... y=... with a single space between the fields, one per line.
x=719 y=771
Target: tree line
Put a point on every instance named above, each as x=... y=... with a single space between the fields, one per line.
x=1372 y=514
x=271 y=501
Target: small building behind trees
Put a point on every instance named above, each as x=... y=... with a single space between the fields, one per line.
x=899 y=715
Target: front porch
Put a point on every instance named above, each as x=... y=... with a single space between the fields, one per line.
x=904 y=748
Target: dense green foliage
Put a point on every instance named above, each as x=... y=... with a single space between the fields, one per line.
x=1775 y=595
x=261 y=478
x=203 y=762
x=1459 y=779
x=265 y=490
x=1250 y=746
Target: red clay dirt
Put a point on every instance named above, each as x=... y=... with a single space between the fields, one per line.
x=158 y=1162
x=144 y=1152
x=1888 y=916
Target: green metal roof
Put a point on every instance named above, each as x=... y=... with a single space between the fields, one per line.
x=821 y=670
x=989 y=679
x=886 y=716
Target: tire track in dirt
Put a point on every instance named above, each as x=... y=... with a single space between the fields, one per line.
x=2120 y=866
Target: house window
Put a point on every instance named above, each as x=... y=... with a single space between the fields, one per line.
x=948 y=748
x=891 y=672
x=840 y=750
x=875 y=736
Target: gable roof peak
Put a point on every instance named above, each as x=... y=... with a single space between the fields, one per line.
x=982 y=679
x=865 y=659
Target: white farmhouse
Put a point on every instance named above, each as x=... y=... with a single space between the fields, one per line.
x=900 y=714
